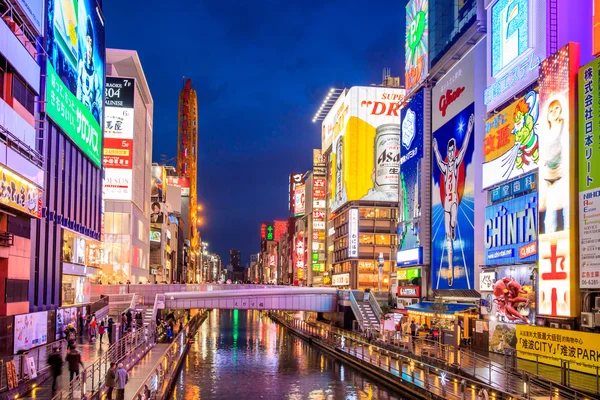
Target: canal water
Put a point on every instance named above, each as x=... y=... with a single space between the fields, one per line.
x=244 y=355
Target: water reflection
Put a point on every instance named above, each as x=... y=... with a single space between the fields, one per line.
x=244 y=355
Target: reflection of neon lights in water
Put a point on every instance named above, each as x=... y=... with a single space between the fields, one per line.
x=236 y=331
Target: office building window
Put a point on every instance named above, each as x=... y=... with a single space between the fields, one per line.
x=23 y=94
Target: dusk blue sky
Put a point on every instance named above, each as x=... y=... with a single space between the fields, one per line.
x=261 y=70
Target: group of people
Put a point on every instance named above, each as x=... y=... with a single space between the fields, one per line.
x=94 y=328
x=115 y=380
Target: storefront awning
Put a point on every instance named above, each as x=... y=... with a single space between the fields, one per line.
x=431 y=307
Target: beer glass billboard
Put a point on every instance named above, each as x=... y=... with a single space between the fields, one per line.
x=75 y=72
x=365 y=158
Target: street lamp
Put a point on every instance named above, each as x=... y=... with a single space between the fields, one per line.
x=381 y=261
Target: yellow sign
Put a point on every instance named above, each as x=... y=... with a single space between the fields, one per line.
x=19 y=194
x=550 y=346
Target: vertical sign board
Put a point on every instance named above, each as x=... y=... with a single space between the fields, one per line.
x=589 y=175
x=517 y=41
x=75 y=72
x=118 y=138
x=353 y=233
x=557 y=254
x=411 y=153
x=453 y=186
x=296 y=179
x=416 y=52
x=596 y=29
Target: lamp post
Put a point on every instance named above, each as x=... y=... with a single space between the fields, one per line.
x=381 y=261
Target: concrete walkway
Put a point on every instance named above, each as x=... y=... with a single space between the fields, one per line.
x=89 y=354
x=139 y=373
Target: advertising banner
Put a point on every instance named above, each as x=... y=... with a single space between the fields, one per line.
x=182 y=182
x=299 y=251
x=550 y=346
x=365 y=160
x=416 y=51
x=411 y=153
x=340 y=280
x=511 y=143
x=75 y=72
x=280 y=228
x=34 y=11
x=353 y=233
x=31 y=330
x=299 y=200
x=334 y=122
x=117 y=184
x=452 y=203
x=556 y=287
x=270 y=232
x=158 y=189
x=513 y=188
x=19 y=194
x=589 y=175
x=318 y=160
x=510 y=232
x=517 y=39
x=296 y=179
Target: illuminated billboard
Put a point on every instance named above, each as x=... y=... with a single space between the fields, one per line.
x=365 y=158
x=296 y=179
x=334 y=122
x=75 y=72
x=511 y=143
x=517 y=41
x=118 y=138
x=411 y=153
x=19 y=194
x=299 y=200
x=557 y=257
x=353 y=233
x=589 y=175
x=280 y=228
x=158 y=184
x=510 y=231
x=416 y=52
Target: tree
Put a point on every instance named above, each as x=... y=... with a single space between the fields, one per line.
x=439 y=308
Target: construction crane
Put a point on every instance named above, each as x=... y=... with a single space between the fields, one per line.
x=187 y=154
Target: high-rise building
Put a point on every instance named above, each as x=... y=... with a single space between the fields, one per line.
x=22 y=167
x=127 y=165
x=235 y=257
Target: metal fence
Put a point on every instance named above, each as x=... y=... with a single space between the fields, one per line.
x=40 y=357
x=128 y=350
x=502 y=378
x=156 y=385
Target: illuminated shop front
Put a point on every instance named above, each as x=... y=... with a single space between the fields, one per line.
x=81 y=261
x=454 y=319
x=361 y=235
x=407 y=287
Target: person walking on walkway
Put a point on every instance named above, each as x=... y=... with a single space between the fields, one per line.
x=121 y=378
x=110 y=380
x=74 y=360
x=101 y=331
x=71 y=335
x=93 y=327
x=55 y=362
x=109 y=331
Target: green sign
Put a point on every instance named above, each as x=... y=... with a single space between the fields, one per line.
x=270 y=232
x=408 y=274
x=589 y=126
x=75 y=71
x=315 y=256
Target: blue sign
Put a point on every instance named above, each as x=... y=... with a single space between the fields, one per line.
x=411 y=152
x=522 y=185
x=510 y=232
x=409 y=257
x=452 y=203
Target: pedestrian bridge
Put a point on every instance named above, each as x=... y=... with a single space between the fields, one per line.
x=222 y=296
x=283 y=298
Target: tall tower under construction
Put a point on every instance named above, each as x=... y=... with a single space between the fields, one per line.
x=187 y=153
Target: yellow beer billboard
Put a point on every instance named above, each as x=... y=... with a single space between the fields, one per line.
x=551 y=346
x=365 y=156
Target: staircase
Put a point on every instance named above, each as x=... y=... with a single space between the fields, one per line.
x=370 y=320
x=367 y=312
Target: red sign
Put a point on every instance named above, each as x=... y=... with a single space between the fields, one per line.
x=300 y=251
x=409 y=291
x=280 y=228
x=528 y=250
x=450 y=97
x=263 y=231
x=319 y=215
x=118 y=153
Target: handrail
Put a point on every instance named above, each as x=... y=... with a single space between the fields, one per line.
x=133 y=302
x=356 y=311
x=375 y=306
x=31 y=38
x=129 y=349
x=155 y=386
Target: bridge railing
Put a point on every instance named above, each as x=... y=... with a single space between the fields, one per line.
x=356 y=310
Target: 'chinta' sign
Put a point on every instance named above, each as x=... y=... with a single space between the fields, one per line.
x=416 y=51
x=510 y=233
x=517 y=40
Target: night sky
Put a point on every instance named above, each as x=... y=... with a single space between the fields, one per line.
x=261 y=70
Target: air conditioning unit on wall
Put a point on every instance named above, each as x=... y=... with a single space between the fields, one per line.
x=587 y=320
x=597 y=303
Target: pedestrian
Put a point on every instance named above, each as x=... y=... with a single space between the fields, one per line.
x=413 y=328
x=110 y=380
x=55 y=362
x=129 y=317
x=70 y=335
x=101 y=331
x=109 y=331
x=121 y=378
x=169 y=333
x=93 y=328
x=123 y=323
x=74 y=360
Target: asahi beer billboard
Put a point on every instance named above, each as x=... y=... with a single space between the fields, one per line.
x=365 y=158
